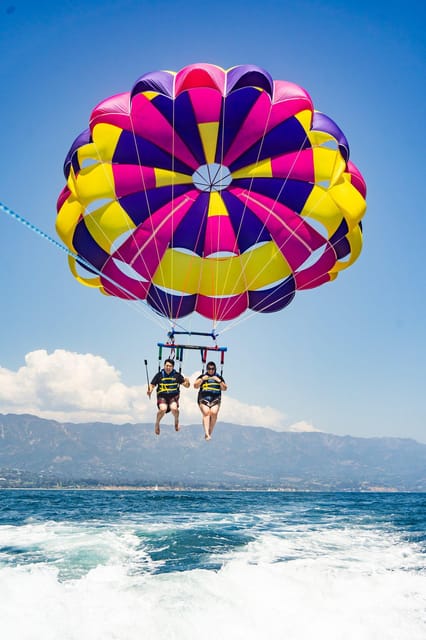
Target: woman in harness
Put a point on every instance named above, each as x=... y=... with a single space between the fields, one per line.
x=167 y=382
x=210 y=385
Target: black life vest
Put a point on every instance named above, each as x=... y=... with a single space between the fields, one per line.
x=168 y=384
x=210 y=388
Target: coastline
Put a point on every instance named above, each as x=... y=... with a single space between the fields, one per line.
x=209 y=489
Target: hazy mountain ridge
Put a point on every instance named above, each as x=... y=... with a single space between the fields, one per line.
x=39 y=452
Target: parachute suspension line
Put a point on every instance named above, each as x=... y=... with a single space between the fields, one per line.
x=112 y=187
x=293 y=232
x=145 y=190
x=93 y=219
x=170 y=314
x=270 y=212
x=170 y=309
x=222 y=155
x=192 y=260
x=140 y=307
x=201 y=225
x=215 y=273
x=252 y=312
x=306 y=285
x=139 y=252
x=166 y=308
x=231 y=304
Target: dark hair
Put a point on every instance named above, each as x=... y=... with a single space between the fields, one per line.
x=211 y=364
x=172 y=362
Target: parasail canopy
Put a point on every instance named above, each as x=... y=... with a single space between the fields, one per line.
x=211 y=191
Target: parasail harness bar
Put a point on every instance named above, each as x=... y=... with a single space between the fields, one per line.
x=177 y=350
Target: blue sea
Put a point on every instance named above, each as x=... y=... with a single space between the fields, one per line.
x=195 y=565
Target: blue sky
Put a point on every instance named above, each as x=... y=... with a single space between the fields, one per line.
x=346 y=358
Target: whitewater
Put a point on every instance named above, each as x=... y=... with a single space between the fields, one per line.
x=186 y=565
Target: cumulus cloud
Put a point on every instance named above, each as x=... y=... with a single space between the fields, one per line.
x=76 y=387
x=70 y=386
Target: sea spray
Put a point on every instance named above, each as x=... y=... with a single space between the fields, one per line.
x=218 y=565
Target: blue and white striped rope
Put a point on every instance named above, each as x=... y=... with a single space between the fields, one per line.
x=85 y=263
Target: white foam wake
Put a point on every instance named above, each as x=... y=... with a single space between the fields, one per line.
x=352 y=583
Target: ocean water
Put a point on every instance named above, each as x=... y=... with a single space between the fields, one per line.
x=154 y=565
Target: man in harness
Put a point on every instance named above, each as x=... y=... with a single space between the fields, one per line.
x=167 y=382
x=210 y=385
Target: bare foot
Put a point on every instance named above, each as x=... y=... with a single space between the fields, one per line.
x=157 y=429
x=207 y=437
x=176 y=427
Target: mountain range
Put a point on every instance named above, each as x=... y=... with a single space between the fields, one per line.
x=36 y=452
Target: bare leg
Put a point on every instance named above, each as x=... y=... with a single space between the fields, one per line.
x=213 y=417
x=206 y=420
x=160 y=414
x=175 y=412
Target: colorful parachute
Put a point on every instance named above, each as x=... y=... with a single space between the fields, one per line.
x=211 y=191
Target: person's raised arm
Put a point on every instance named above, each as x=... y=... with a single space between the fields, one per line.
x=221 y=381
x=150 y=389
x=152 y=385
x=199 y=381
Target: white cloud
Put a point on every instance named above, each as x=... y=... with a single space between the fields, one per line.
x=71 y=386
x=76 y=387
x=302 y=425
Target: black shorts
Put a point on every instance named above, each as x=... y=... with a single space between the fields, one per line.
x=209 y=401
x=166 y=399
